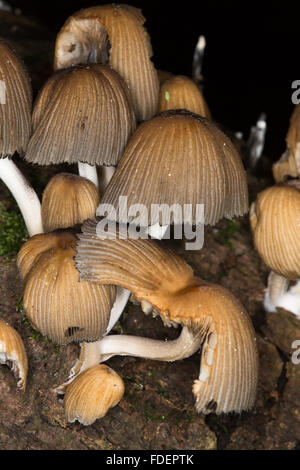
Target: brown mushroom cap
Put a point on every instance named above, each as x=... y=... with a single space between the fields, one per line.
x=81 y=114
x=229 y=363
x=68 y=200
x=129 y=54
x=15 y=114
x=12 y=352
x=181 y=92
x=57 y=304
x=179 y=157
x=289 y=162
x=275 y=224
x=92 y=394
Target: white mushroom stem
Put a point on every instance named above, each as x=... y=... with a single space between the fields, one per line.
x=94 y=353
x=118 y=307
x=89 y=172
x=24 y=195
x=278 y=295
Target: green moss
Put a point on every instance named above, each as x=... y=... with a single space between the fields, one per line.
x=13 y=231
x=224 y=235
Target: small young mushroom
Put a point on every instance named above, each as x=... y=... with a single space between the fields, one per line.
x=57 y=304
x=181 y=92
x=13 y=353
x=211 y=317
x=179 y=158
x=289 y=163
x=68 y=200
x=82 y=114
x=15 y=130
x=92 y=393
x=274 y=219
x=126 y=47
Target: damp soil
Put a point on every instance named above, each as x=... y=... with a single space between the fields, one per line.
x=157 y=411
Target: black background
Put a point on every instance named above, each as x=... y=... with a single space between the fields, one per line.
x=252 y=55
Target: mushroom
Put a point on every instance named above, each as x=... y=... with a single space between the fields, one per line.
x=289 y=163
x=275 y=224
x=56 y=303
x=178 y=158
x=82 y=114
x=181 y=92
x=211 y=318
x=15 y=129
x=13 y=353
x=68 y=200
x=92 y=393
x=125 y=46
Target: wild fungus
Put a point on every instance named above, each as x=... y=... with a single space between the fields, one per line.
x=211 y=318
x=13 y=353
x=125 y=46
x=57 y=304
x=181 y=92
x=289 y=163
x=274 y=219
x=179 y=158
x=15 y=130
x=92 y=394
x=82 y=114
x=68 y=200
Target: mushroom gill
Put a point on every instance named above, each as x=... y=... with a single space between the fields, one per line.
x=13 y=353
x=211 y=317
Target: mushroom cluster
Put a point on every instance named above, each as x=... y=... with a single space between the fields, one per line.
x=104 y=108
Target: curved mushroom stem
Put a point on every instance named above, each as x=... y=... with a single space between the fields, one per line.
x=89 y=172
x=278 y=295
x=24 y=195
x=94 y=353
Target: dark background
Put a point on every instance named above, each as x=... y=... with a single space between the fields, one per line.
x=252 y=54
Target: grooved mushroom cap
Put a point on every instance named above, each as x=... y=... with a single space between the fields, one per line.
x=289 y=162
x=179 y=157
x=68 y=200
x=84 y=114
x=92 y=393
x=15 y=103
x=181 y=92
x=81 y=39
x=12 y=352
x=57 y=304
x=275 y=224
x=229 y=362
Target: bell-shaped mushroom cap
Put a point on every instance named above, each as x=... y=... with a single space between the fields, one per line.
x=129 y=54
x=164 y=75
x=179 y=157
x=229 y=363
x=293 y=135
x=181 y=92
x=92 y=393
x=275 y=225
x=13 y=353
x=57 y=304
x=15 y=103
x=289 y=162
x=82 y=114
x=68 y=200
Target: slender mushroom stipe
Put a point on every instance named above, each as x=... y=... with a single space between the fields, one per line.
x=229 y=363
